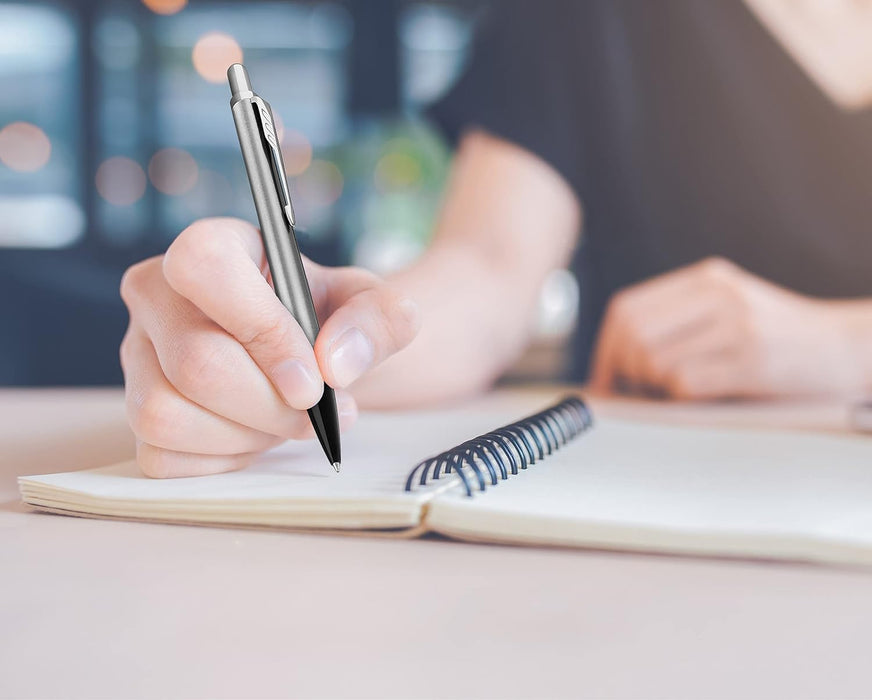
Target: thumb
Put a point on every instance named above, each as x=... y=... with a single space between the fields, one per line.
x=371 y=320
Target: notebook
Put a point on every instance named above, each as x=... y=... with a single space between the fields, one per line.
x=554 y=476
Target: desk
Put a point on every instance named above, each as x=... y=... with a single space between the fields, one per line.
x=96 y=609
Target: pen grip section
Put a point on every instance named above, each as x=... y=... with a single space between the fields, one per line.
x=290 y=282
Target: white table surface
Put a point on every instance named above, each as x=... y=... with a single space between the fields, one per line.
x=102 y=609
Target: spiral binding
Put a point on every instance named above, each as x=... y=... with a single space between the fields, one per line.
x=517 y=445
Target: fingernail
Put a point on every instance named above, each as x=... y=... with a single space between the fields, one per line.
x=352 y=353
x=299 y=386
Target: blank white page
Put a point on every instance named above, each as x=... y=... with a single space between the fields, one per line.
x=627 y=485
x=292 y=485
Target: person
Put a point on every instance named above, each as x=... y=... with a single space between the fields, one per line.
x=720 y=190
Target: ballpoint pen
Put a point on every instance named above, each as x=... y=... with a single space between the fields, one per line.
x=275 y=213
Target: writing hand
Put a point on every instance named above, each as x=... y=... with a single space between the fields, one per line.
x=217 y=370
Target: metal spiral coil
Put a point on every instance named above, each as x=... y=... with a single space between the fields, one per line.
x=506 y=450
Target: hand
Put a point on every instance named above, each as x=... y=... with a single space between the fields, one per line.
x=217 y=370
x=712 y=330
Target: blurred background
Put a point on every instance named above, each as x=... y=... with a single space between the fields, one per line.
x=116 y=133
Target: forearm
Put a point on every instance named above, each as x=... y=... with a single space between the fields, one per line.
x=508 y=220
x=475 y=322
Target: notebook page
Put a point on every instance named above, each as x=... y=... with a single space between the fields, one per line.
x=291 y=485
x=679 y=489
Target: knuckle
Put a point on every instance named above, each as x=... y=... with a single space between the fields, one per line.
x=622 y=305
x=746 y=331
x=194 y=235
x=201 y=249
x=717 y=268
x=379 y=325
x=268 y=332
x=192 y=249
x=656 y=365
x=744 y=300
x=681 y=385
x=400 y=316
x=152 y=417
x=137 y=278
x=277 y=336
x=196 y=366
x=154 y=462
x=124 y=351
x=642 y=335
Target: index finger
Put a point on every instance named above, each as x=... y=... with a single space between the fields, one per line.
x=217 y=264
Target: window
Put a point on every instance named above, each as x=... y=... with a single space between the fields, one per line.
x=40 y=185
x=119 y=134
x=139 y=142
x=168 y=147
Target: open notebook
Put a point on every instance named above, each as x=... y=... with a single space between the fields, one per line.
x=614 y=484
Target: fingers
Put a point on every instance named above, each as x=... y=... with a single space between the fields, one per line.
x=658 y=334
x=712 y=377
x=217 y=265
x=208 y=367
x=201 y=361
x=369 y=321
x=211 y=361
x=163 y=464
x=160 y=416
x=720 y=337
x=176 y=438
x=642 y=320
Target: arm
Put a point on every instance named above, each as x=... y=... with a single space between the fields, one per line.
x=217 y=370
x=507 y=221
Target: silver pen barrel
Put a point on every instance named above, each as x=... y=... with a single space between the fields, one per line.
x=269 y=188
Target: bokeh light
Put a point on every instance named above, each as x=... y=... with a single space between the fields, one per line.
x=396 y=170
x=173 y=171
x=213 y=54
x=165 y=7
x=24 y=147
x=120 y=181
x=296 y=152
x=321 y=184
x=386 y=252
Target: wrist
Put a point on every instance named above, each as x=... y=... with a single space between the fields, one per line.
x=453 y=352
x=854 y=327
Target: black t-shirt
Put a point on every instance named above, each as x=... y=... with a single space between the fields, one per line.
x=686 y=130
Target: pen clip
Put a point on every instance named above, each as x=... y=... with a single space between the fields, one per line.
x=274 y=153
